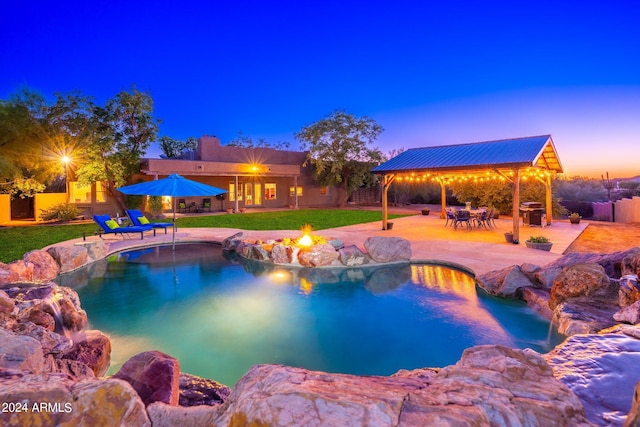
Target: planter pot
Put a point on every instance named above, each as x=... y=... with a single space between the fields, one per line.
x=508 y=237
x=425 y=211
x=539 y=246
x=574 y=220
x=389 y=226
x=230 y=211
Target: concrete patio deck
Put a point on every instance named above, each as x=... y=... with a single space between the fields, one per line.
x=478 y=250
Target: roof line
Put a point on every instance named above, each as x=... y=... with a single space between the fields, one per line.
x=481 y=142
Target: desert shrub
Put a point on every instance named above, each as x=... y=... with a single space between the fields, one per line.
x=134 y=202
x=61 y=212
x=154 y=203
x=579 y=188
x=584 y=209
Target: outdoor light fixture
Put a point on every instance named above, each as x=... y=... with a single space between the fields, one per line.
x=65 y=160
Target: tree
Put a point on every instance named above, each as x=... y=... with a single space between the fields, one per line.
x=339 y=150
x=34 y=136
x=176 y=148
x=499 y=194
x=241 y=140
x=121 y=132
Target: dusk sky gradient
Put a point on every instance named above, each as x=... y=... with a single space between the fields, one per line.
x=430 y=73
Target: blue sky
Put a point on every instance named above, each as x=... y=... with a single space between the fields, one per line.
x=430 y=73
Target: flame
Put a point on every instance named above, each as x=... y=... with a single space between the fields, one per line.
x=305 y=240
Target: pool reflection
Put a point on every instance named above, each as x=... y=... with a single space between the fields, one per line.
x=219 y=316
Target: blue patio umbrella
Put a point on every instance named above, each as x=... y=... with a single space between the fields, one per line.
x=174 y=186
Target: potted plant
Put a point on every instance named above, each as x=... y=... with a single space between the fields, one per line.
x=508 y=236
x=425 y=211
x=539 y=242
x=575 y=218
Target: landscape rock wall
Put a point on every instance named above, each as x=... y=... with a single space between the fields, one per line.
x=47 y=357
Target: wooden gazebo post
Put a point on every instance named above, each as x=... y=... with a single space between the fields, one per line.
x=516 y=205
x=443 y=197
x=386 y=182
x=549 y=201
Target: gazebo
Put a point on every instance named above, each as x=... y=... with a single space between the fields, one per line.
x=507 y=159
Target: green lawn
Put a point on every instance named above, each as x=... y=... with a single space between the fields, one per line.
x=16 y=241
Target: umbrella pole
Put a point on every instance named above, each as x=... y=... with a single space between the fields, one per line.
x=173 y=245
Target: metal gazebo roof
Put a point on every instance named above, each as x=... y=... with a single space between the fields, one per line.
x=507 y=158
x=534 y=151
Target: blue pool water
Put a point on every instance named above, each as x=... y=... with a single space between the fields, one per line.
x=219 y=317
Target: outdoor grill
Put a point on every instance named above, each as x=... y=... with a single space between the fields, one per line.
x=531 y=213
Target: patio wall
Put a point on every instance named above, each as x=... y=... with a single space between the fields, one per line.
x=44 y=201
x=628 y=210
x=5 y=208
x=602 y=211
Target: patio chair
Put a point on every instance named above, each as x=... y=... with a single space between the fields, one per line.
x=183 y=207
x=206 y=205
x=462 y=216
x=480 y=219
x=451 y=217
x=137 y=218
x=491 y=217
x=110 y=226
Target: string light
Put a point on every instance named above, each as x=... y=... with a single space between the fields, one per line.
x=476 y=177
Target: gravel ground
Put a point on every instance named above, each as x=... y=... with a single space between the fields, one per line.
x=605 y=237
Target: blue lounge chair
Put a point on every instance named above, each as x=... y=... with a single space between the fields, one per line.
x=137 y=218
x=109 y=226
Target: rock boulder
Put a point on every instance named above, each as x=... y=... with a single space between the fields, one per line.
x=93 y=348
x=601 y=369
x=583 y=280
x=61 y=401
x=69 y=257
x=508 y=282
x=196 y=391
x=388 y=249
x=318 y=255
x=490 y=385
x=629 y=314
x=20 y=352
x=629 y=290
x=582 y=316
x=16 y=271
x=6 y=303
x=351 y=256
x=45 y=268
x=612 y=262
x=155 y=376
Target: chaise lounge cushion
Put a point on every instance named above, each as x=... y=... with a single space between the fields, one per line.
x=112 y=224
x=138 y=219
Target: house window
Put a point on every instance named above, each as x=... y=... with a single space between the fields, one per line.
x=292 y=190
x=101 y=190
x=232 y=192
x=324 y=190
x=270 y=191
x=79 y=193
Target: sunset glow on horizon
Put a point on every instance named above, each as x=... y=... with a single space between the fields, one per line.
x=429 y=74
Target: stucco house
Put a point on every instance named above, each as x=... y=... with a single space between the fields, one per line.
x=254 y=177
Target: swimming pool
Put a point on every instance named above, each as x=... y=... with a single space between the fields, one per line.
x=219 y=317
